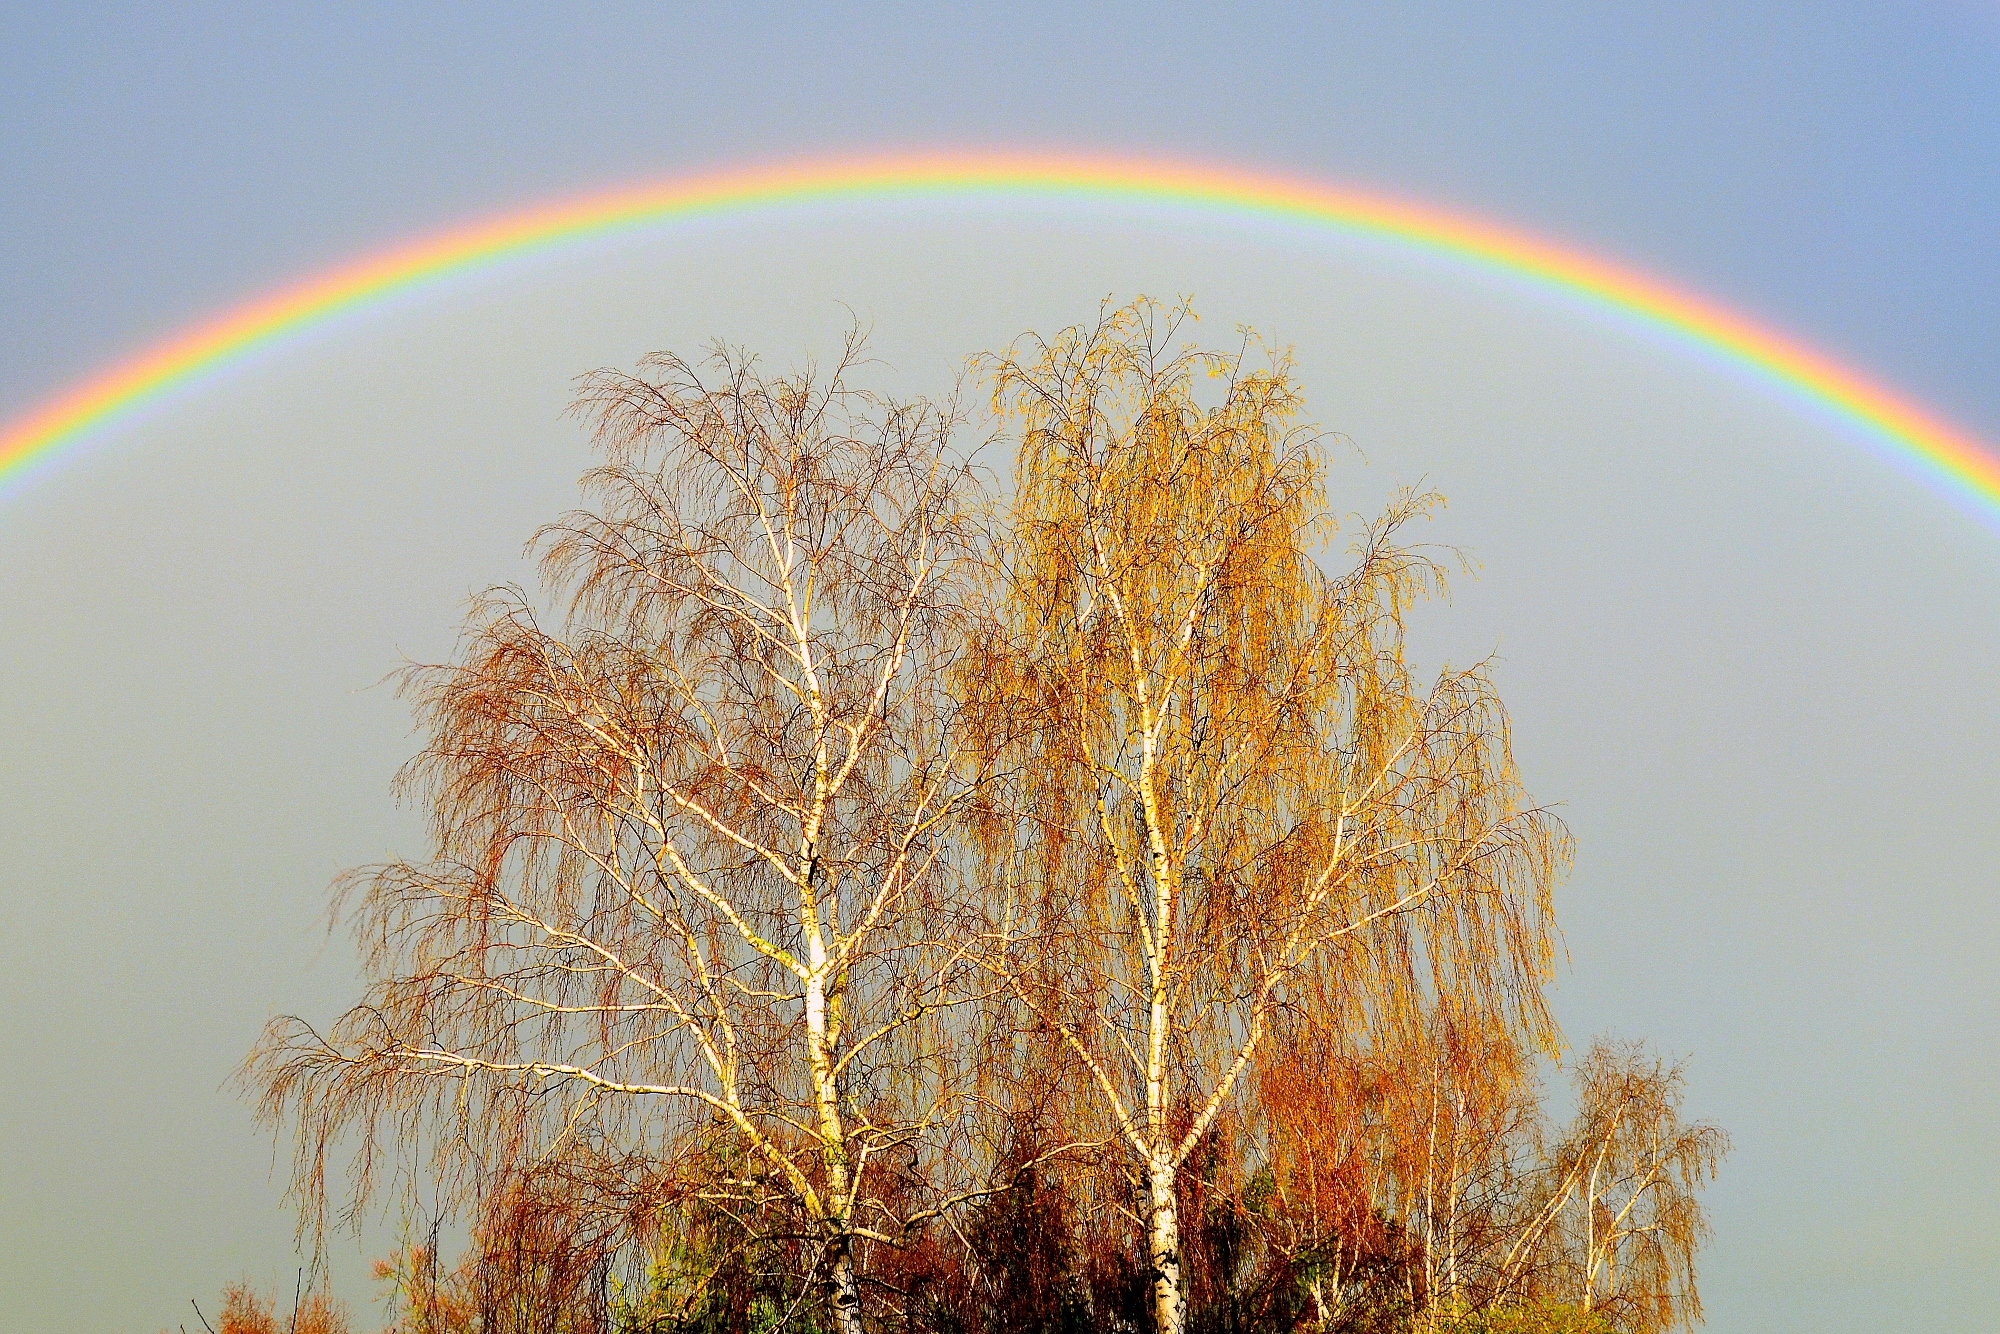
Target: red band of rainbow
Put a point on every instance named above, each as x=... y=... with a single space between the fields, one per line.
x=1948 y=458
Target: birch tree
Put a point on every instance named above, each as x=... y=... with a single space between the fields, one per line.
x=1619 y=1220
x=688 y=881
x=1232 y=796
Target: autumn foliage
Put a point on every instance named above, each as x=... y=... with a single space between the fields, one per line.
x=244 y=1311
x=863 y=900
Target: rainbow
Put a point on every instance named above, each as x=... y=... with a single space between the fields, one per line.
x=1945 y=457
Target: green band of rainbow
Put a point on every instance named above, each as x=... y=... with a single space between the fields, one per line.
x=1946 y=457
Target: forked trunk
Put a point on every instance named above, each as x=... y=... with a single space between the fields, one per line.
x=1163 y=1248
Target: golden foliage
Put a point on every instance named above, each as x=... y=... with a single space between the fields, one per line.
x=1233 y=803
x=245 y=1312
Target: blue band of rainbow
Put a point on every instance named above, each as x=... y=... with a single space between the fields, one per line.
x=1948 y=458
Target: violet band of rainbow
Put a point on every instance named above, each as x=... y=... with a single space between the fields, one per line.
x=1942 y=455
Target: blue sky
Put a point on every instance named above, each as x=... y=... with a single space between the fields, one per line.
x=1756 y=665
x=1831 y=166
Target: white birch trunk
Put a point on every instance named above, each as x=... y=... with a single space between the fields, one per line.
x=846 y=1290
x=822 y=1038
x=1163 y=1245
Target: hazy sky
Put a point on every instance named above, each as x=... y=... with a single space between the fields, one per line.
x=1755 y=663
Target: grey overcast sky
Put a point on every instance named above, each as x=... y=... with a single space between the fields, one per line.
x=1757 y=665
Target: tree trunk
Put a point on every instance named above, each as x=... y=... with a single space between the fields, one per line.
x=1163 y=1245
x=845 y=1298
x=822 y=1040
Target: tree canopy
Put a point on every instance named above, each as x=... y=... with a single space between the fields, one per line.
x=860 y=897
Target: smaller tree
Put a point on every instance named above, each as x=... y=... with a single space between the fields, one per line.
x=1620 y=1221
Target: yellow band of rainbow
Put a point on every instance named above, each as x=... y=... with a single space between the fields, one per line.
x=1948 y=458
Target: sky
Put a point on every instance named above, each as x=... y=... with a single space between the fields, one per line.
x=1754 y=662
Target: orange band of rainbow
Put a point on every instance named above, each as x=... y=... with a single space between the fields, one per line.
x=1950 y=459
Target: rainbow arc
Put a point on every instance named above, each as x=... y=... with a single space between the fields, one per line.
x=1942 y=455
